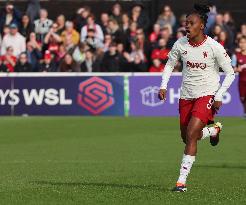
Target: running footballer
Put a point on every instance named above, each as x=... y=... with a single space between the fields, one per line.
x=201 y=92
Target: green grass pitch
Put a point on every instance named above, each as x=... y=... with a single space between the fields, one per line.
x=97 y=160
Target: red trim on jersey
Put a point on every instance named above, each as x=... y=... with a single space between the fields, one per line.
x=198 y=44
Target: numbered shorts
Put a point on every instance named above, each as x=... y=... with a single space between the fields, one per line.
x=200 y=108
x=242 y=89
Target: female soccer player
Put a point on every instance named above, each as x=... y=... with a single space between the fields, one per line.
x=241 y=68
x=201 y=93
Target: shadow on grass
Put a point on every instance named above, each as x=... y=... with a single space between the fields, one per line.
x=103 y=185
x=221 y=166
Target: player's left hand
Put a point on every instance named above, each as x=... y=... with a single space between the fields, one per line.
x=217 y=105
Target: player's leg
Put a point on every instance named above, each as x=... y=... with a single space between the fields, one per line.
x=185 y=108
x=242 y=93
x=183 y=131
x=193 y=135
x=196 y=130
x=243 y=101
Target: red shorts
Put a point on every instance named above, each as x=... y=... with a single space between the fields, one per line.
x=242 y=89
x=200 y=108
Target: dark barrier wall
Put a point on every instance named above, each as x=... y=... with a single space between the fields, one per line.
x=69 y=7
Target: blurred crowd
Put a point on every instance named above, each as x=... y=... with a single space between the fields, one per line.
x=119 y=41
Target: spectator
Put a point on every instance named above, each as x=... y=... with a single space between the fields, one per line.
x=61 y=53
x=223 y=40
x=153 y=37
x=52 y=39
x=104 y=22
x=33 y=41
x=182 y=23
x=117 y=13
x=60 y=21
x=107 y=41
x=138 y=65
x=229 y=22
x=33 y=9
x=23 y=65
x=33 y=55
x=3 y=67
x=220 y=21
x=114 y=30
x=125 y=29
x=92 y=25
x=135 y=58
x=161 y=52
x=180 y=33
x=26 y=26
x=9 y=15
x=157 y=66
x=91 y=63
x=143 y=43
x=79 y=53
x=48 y=64
x=124 y=66
x=139 y=16
x=111 y=59
x=240 y=67
x=68 y=64
x=92 y=41
x=133 y=31
x=211 y=19
x=42 y=25
x=6 y=30
x=166 y=17
x=216 y=32
x=70 y=37
x=124 y=26
x=15 y=40
x=9 y=59
x=243 y=29
x=81 y=17
x=166 y=33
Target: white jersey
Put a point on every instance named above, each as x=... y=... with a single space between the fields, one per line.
x=201 y=63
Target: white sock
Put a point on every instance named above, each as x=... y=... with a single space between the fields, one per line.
x=186 y=165
x=208 y=131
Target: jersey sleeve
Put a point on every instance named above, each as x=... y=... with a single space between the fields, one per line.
x=173 y=57
x=174 y=54
x=224 y=62
x=221 y=55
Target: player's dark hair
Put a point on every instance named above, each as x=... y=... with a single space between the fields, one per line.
x=201 y=10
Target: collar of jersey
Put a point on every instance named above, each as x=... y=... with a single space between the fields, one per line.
x=198 y=44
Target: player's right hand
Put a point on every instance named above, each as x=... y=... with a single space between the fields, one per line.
x=162 y=94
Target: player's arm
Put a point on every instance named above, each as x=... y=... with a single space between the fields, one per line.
x=224 y=62
x=173 y=58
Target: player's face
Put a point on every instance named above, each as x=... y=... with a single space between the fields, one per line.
x=193 y=26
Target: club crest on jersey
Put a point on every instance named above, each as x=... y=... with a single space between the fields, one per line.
x=205 y=54
x=196 y=65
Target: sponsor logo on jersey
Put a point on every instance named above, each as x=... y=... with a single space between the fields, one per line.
x=184 y=53
x=196 y=65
